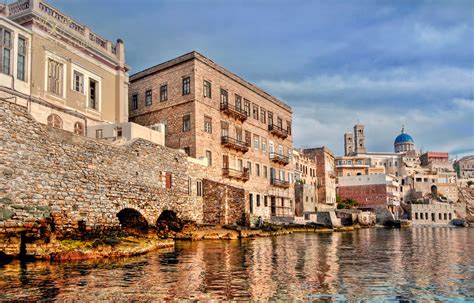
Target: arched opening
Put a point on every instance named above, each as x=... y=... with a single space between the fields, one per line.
x=55 y=121
x=169 y=221
x=131 y=219
x=79 y=128
x=434 y=191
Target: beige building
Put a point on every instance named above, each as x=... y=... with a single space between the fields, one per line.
x=209 y=112
x=465 y=167
x=326 y=176
x=70 y=77
x=306 y=190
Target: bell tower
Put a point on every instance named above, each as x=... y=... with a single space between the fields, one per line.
x=348 y=144
x=359 y=139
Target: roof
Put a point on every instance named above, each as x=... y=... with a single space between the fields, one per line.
x=467 y=158
x=194 y=55
x=404 y=138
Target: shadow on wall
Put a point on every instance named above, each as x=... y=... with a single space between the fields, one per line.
x=131 y=219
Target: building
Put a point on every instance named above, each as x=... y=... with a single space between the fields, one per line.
x=465 y=167
x=404 y=142
x=435 y=213
x=326 y=175
x=70 y=77
x=306 y=191
x=210 y=112
x=371 y=191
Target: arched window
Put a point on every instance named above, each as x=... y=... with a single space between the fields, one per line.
x=79 y=128
x=55 y=121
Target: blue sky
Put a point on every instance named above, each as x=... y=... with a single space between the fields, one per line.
x=383 y=63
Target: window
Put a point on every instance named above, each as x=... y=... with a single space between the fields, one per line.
x=79 y=128
x=255 y=112
x=186 y=122
x=247 y=107
x=265 y=171
x=21 y=61
x=207 y=89
x=78 y=84
x=258 y=200
x=271 y=147
x=256 y=141
x=148 y=98
x=164 y=92
x=265 y=201
x=248 y=138
x=224 y=96
x=187 y=151
x=270 y=118
x=93 y=102
x=118 y=132
x=249 y=167
x=208 y=124
x=263 y=115
x=209 y=157
x=55 y=77
x=168 y=181
x=199 y=188
x=279 y=122
x=257 y=169
x=6 y=51
x=98 y=133
x=264 y=145
x=225 y=129
x=55 y=121
x=238 y=102
x=288 y=127
x=186 y=86
x=238 y=134
x=134 y=101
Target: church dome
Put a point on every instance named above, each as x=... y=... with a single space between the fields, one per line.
x=404 y=138
x=404 y=142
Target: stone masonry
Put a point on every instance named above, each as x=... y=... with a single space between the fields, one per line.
x=50 y=175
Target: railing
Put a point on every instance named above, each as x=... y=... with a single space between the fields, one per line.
x=278 y=131
x=275 y=157
x=234 y=143
x=279 y=183
x=236 y=174
x=236 y=112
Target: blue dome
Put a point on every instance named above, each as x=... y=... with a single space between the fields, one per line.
x=404 y=138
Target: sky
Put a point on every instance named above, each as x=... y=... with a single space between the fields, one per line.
x=381 y=63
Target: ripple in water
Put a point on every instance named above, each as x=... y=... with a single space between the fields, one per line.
x=424 y=264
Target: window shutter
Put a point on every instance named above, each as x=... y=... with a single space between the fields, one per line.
x=168 y=180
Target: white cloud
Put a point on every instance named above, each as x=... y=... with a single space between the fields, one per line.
x=427 y=34
x=464 y=103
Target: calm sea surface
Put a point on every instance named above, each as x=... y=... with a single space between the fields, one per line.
x=423 y=264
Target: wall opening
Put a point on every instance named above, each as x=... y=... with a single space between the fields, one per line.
x=169 y=221
x=434 y=191
x=131 y=219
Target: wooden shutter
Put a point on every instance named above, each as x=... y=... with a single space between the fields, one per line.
x=168 y=180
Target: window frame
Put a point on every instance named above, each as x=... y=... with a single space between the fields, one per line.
x=186 y=117
x=164 y=92
x=23 y=55
x=149 y=97
x=186 y=86
x=207 y=89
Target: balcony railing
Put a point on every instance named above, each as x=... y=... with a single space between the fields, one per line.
x=278 y=131
x=279 y=183
x=275 y=157
x=234 y=144
x=231 y=173
x=236 y=112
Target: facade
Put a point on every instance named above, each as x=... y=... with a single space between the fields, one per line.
x=210 y=112
x=326 y=175
x=306 y=191
x=126 y=131
x=371 y=191
x=465 y=167
x=433 y=213
x=72 y=78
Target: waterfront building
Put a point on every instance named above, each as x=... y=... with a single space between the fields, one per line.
x=76 y=77
x=371 y=191
x=465 y=167
x=306 y=191
x=209 y=112
x=326 y=176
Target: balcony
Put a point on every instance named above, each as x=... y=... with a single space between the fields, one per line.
x=277 y=158
x=242 y=175
x=277 y=131
x=234 y=144
x=234 y=112
x=279 y=183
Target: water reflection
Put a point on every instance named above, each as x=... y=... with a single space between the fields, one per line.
x=390 y=265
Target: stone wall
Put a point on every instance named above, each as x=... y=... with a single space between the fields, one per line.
x=50 y=176
x=225 y=204
x=365 y=195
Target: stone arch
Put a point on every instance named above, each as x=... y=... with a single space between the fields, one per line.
x=130 y=218
x=55 y=121
x=169 y=220
x=79 y=129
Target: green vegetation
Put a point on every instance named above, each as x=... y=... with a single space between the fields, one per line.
x=345 y=203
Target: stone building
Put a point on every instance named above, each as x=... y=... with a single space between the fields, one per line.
x=465 y=167
x=326 y=176
x=210 y=112
x=435 y=213
x=306 y=190
x=70 y=77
